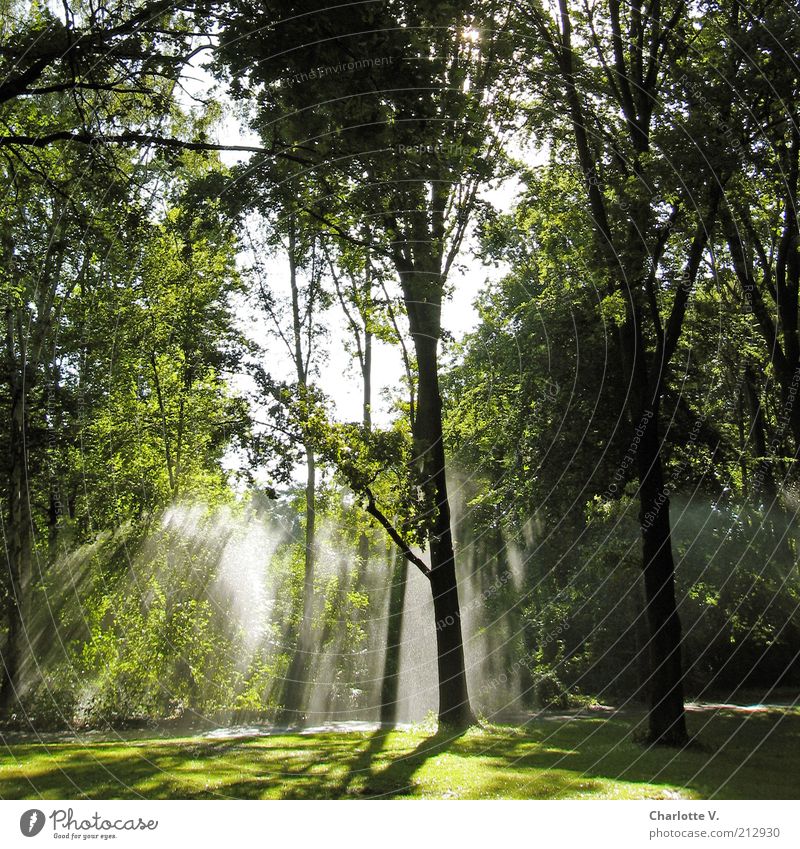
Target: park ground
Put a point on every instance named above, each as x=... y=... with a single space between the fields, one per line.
x=737 y=753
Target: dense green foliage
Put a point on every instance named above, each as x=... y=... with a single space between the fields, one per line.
x=191 y=524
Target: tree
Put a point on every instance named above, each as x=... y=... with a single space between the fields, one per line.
x=157 y=342
x=647 y=218
x=371 y=315
x=120 y=49
x=43 y=264
x=404 y=144
x=296 y=322
x=115 y=402
x=759 y=217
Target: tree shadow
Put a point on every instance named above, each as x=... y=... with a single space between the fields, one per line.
x=397 y=777
x=544 y=760
x=739 y=758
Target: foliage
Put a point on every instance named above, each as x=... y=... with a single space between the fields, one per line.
x=650 y=264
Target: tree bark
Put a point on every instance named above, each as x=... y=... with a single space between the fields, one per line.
x=666 y=717
x=758 y=432
x=19 y=551
x=366 y=375
x=297 y=677
x=424 y=321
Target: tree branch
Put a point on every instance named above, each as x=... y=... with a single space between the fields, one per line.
x=140 y=138
x=700 y=239
x=374 y=510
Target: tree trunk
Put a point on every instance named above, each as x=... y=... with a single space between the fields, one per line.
x=424 y=321
x=19 y=554
x=642 y=637
x=764 y=478
x=667 y=720
x=366 y=375
x=666 y=717
x=297 y=677
x=790 y=388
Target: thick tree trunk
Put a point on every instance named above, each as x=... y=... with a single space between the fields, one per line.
x=667 y=721
x=666 y=717
x=454 y=707
x=424 y=320
x=19 y=555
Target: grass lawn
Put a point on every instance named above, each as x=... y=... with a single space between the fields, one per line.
x=740 y=755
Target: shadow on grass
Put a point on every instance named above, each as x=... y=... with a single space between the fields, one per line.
x=743 y=757
x=397 y=777
x=733 y=755
x=307 y=767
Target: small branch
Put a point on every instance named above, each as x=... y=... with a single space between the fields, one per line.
x=374 y=510
x=71 y=85
x=674 y=324
x=650 y=280
x=139 y=138
x=404 y=351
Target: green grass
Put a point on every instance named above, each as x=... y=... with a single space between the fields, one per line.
x=739 y=755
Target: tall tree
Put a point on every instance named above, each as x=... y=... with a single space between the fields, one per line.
x=44 y=260
x=296 y=322
x=106 y=382
x=392 y=111
x=360 y=283
x=760 y=213
x=652 y=225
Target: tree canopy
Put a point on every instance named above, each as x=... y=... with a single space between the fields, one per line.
x=262 y=421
